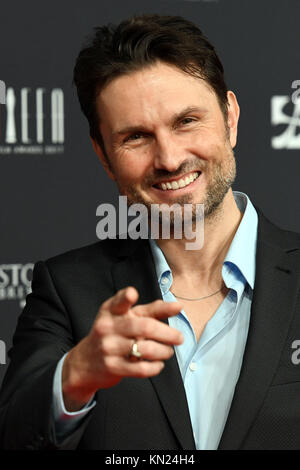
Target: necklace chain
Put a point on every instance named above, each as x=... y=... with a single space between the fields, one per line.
x=199 y=298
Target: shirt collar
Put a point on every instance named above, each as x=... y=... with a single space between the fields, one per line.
x=161 y=266
x=241 y=253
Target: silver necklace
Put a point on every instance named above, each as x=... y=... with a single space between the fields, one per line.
x=200 y=298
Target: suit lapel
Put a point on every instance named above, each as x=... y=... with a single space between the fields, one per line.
x=137 y=269
x=275 y=291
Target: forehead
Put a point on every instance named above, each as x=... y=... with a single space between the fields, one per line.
x=156 y=91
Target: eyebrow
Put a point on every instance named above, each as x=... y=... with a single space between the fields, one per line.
x=174 y=120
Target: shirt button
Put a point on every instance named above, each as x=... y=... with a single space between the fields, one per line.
x=164 y=281
x=193 y=366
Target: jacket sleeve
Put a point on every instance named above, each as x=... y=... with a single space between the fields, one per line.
x=43 y=335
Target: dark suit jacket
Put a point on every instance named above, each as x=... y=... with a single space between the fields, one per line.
x=153 y=413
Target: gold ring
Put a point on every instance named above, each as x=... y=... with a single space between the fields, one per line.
x=134 y=352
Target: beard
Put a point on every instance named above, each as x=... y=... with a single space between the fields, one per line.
x=220 y=176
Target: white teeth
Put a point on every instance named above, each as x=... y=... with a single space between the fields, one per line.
x=181 y=183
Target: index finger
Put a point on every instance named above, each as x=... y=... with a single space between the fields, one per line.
x=121 y=302
x=158 y=309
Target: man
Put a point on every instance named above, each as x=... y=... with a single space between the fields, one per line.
x=105 y=356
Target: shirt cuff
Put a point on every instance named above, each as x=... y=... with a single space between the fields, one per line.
x=66 y=421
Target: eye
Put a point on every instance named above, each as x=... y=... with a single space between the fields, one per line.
x=187 y=120
x=135 y=136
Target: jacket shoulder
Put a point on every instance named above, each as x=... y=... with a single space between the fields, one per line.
x=103 y=253
x=269 y=231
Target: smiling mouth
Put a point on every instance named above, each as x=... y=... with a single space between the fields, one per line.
x=178 y=183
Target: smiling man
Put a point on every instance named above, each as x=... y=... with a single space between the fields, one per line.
x=155 y=135
x=142 y=344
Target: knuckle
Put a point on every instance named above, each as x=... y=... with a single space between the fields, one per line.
x=130 y=323
x=147 y=328
x=103 y=326
x=104 y=347
x=143 y=369
x=137 y=310
x=158 y=303
x=170 y=351
x=108 y=363
x=146 y=349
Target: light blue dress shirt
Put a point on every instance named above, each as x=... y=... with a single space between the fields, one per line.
x=210 y=367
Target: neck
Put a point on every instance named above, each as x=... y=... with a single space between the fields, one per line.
x=219 y=231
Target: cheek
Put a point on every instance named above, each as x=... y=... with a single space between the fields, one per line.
x=207 y=148
x=133 y=164
x=131 y=170
x=205 y=138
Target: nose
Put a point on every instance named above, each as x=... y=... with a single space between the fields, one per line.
x=168 y=155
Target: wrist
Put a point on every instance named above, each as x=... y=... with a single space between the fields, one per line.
x=75 y=395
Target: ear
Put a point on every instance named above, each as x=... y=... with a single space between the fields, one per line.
x=233 y=117
x=103 y=159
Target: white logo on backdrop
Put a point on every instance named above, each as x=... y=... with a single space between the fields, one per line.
x=2 y=352
x=2 y=92
x=15 y=282
x=29 y=113
x=290 y=136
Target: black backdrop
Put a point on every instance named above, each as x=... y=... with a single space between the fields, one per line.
x=51 y=181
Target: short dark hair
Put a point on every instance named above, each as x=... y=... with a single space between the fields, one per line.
x=136 y=43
